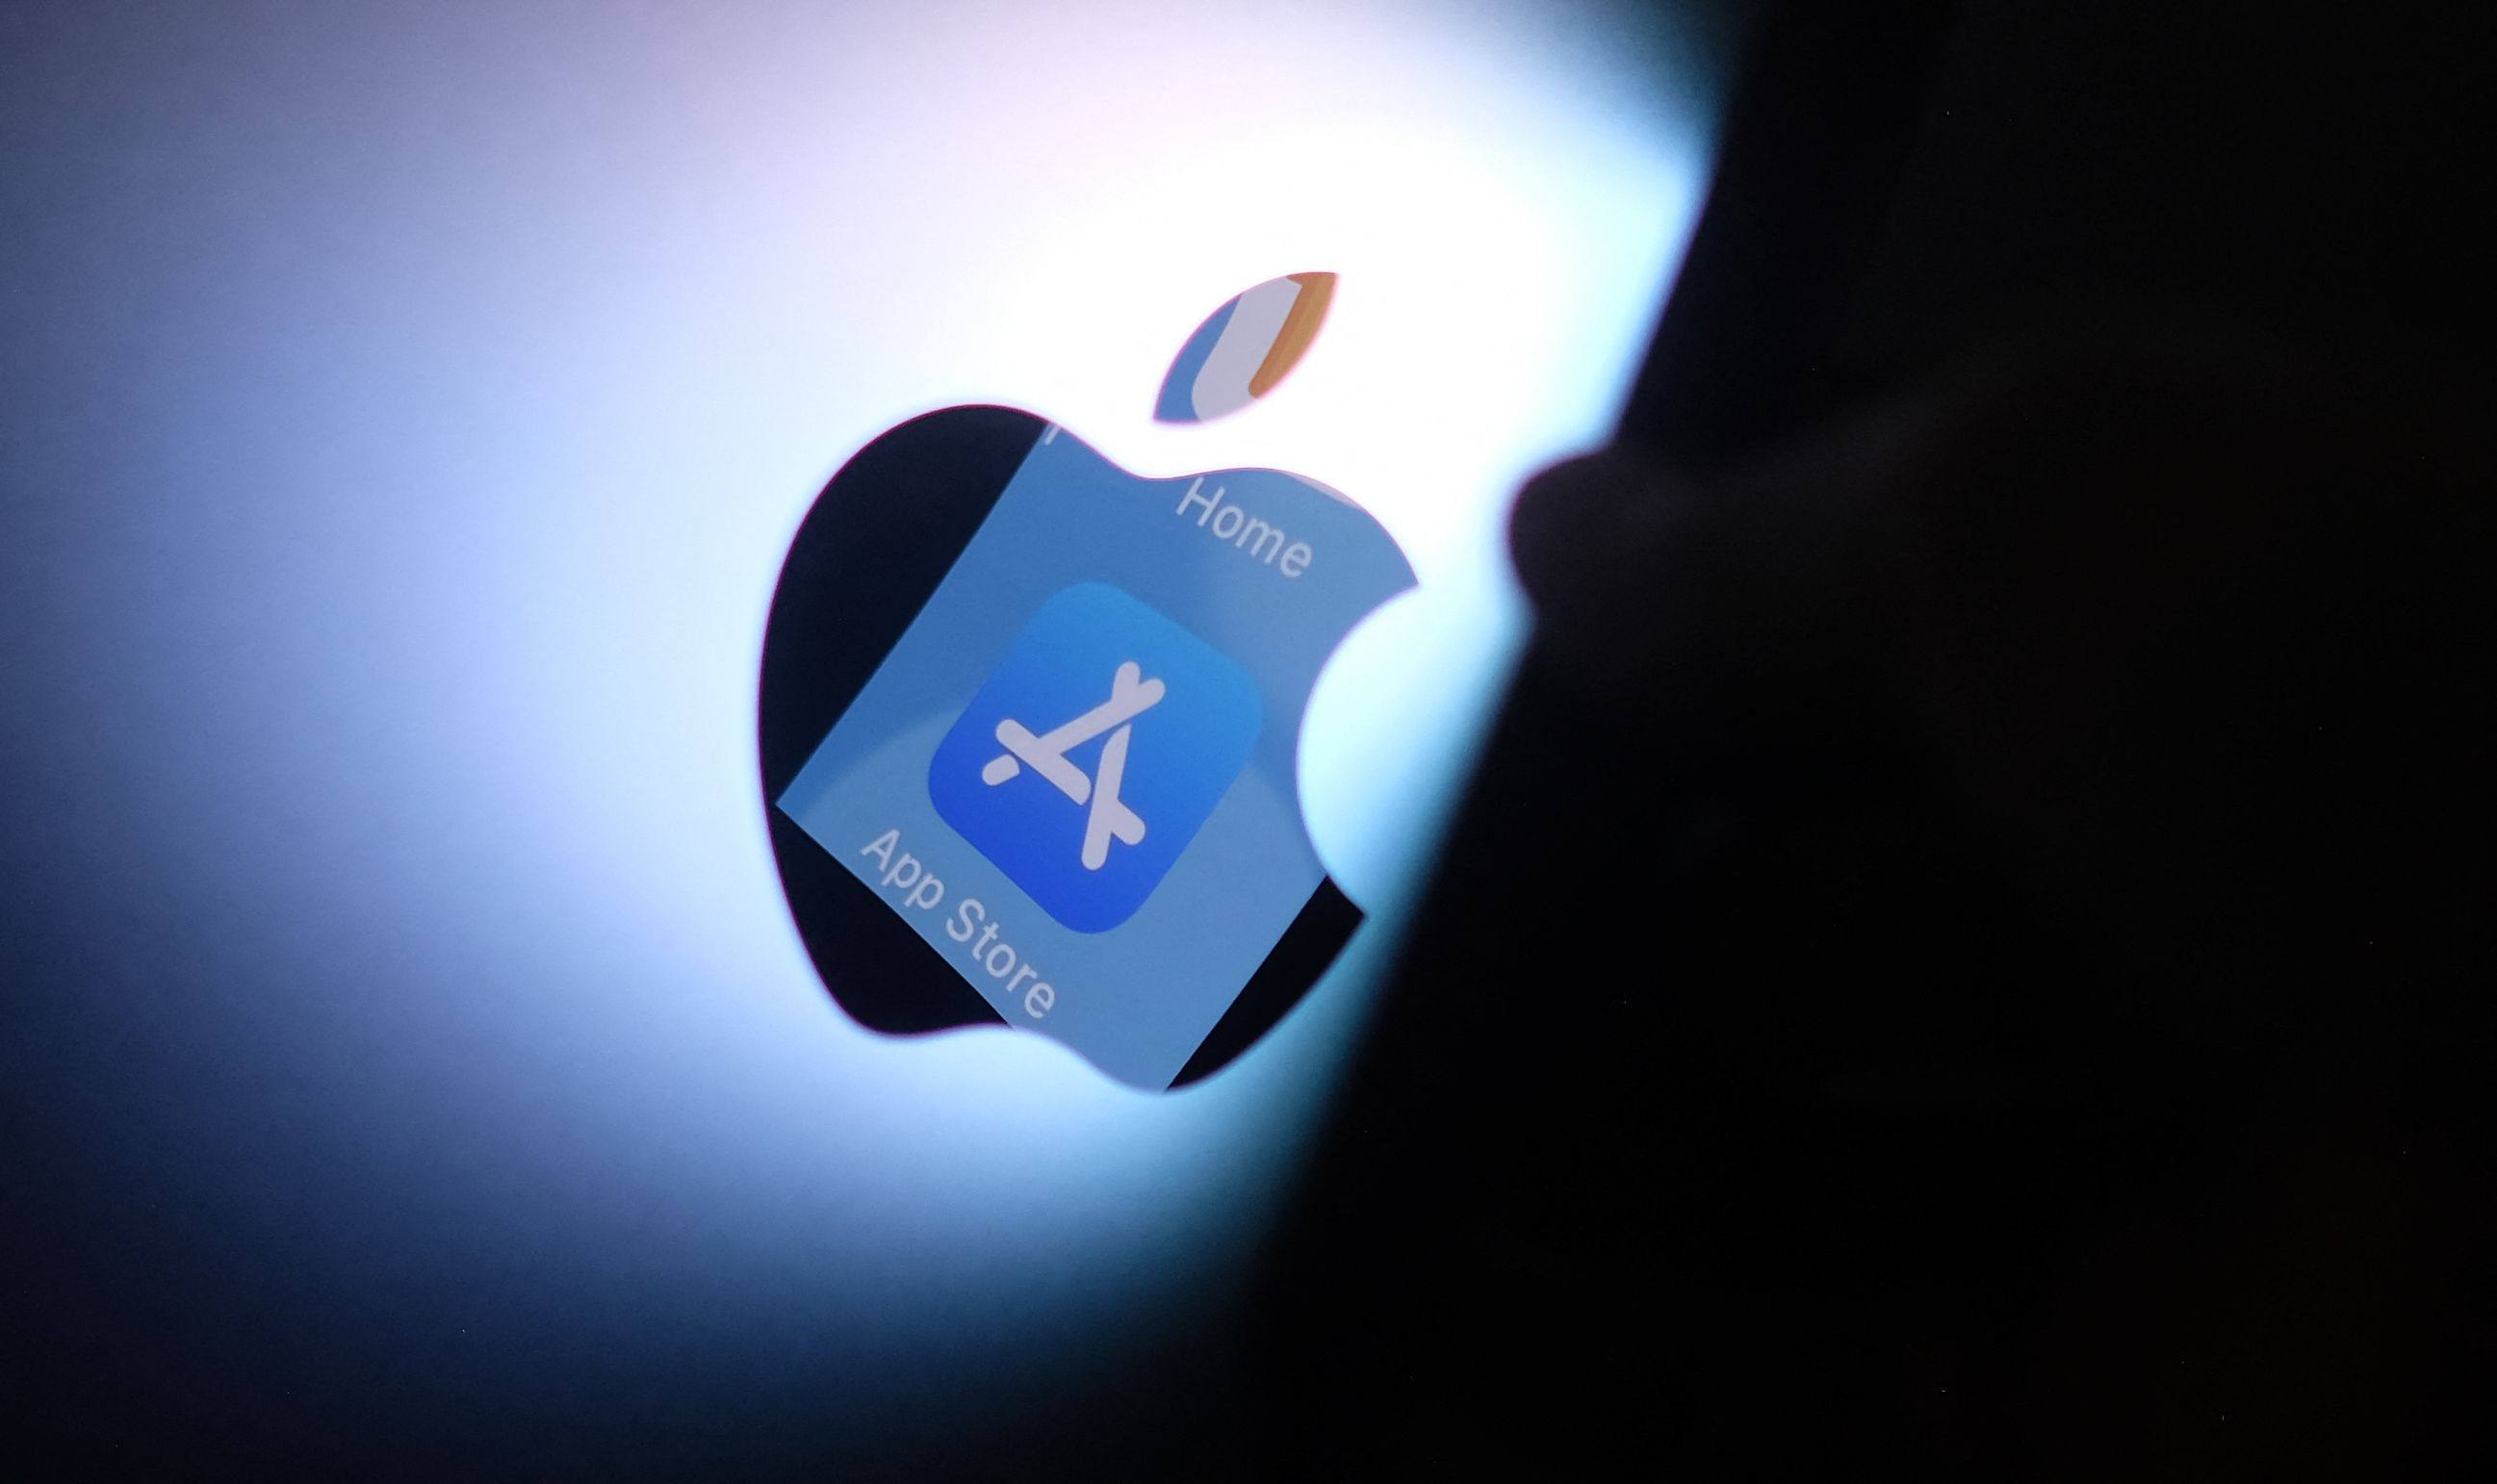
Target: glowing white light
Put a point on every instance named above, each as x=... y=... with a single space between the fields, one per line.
x=476 y=401
x=1019 y=212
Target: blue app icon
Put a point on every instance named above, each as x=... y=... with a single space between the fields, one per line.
x=1093 y=753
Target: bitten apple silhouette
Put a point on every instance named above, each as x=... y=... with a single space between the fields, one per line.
x=1029 y=723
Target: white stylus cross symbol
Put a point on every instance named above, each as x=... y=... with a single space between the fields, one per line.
x=1130 y=696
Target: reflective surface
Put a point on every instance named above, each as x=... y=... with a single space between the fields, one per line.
x=1086 y=741
x=405 y=412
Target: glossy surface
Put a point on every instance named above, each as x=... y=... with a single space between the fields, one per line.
x=407 y=408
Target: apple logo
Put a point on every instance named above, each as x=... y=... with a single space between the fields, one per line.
x=1027 y=722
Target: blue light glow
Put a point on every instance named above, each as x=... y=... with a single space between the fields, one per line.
x=413 y=410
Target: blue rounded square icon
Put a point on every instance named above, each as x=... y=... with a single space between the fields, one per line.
x=1095 y=752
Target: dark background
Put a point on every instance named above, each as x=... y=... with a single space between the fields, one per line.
x=2004 y=952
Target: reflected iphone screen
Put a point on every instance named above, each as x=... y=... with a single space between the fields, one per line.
x=1074 y=776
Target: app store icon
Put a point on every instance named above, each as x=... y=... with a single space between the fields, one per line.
x=1093 y=753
